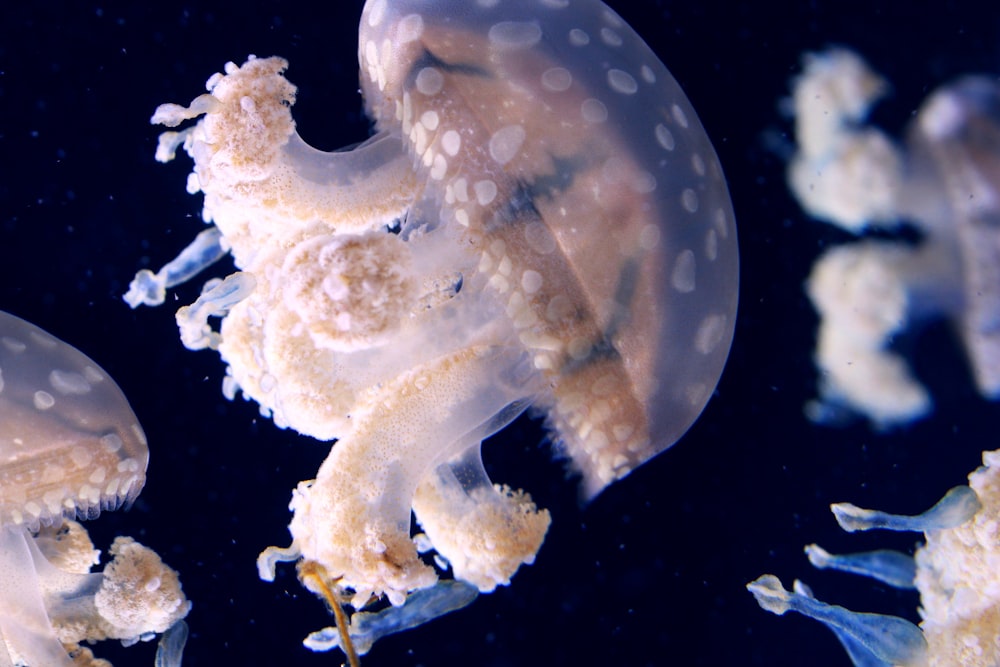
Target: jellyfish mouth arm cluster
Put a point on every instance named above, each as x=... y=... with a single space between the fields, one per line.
x=954 y=571
x=49 y=610
x=945 y=182
x=524 y=228
x=70 y=446
x=382 y=469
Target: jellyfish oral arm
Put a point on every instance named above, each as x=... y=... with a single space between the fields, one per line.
x=354 y=519
x=24 y=621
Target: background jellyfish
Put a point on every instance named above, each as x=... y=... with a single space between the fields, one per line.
x=75 y=206
x=945 y=181
x=521 y=230
x=70 y=446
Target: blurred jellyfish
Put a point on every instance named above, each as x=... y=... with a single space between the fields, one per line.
x=70 y=446
x=955 y=573
x=945 y=181
x=539 y=220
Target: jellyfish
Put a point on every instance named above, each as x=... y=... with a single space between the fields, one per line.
x=539 y=220
x=71 y=447
x=954 y=571
x=944 y=182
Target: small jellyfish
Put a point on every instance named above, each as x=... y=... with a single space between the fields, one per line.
x=945 y=182
x=539 y=220
x=955 y=573
x=70 y=446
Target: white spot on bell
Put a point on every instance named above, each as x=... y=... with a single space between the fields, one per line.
x=682 y=277
x=506 y=143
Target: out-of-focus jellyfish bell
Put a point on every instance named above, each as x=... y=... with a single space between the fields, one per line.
x=945 y=181
x=70 y=446
x=539 y=220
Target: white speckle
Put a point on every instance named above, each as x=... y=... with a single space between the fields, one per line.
x=593 y=110
x=407 y=113
x=371 y=53
x=461 y=189
x=462 y=217
x=506 y=143
x=560 y=309
x=613 y=171
x=579 y=348
x=418 y=135
x=128 y=465
x=499 y=283
x=451 y=142
x=43 y=400
x=665 y=137
x=486 y=192
x=644 y=183
x=430 y=81
x=430 y=119
x=538 y=237
x=682 y=277
x=13 y=345
x=711 y=245
x=411 y=28
x=439 y=168
x=679 y=116
x=80 y=456
x=578 y=37
x=721 y=224
x=622 y=82
x=649 y=237
x=610 y=37
x=111 y=442
x=698 y=164
x=689 y=200
x=505 y=266
x=515 y=34
x=68 y=383
x=710 y=333
x=647 y=74
x=376 y=12
x=531 y=281
x=612 y=19
x=98 y=476
x=557 y=79
x=93 y=375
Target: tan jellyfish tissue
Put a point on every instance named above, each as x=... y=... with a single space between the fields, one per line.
x=539 y=220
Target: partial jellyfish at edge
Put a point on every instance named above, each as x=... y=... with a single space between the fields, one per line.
x=945 y=181
x=71 y=447
x=955 y=572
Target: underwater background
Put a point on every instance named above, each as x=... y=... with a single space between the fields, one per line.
x=653 y=571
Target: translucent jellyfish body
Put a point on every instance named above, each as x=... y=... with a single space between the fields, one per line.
x=955 y=572
x=945 y=181
x=70 y=446
x=539 y=220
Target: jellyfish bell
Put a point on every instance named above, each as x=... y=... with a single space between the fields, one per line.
x=556 y=140
x=539 y=220
x=70 y=444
